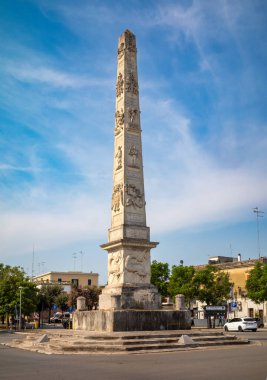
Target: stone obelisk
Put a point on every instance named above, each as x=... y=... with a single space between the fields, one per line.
x=129 y=302
x=129 y=242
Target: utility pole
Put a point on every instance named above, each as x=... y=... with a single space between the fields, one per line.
x=20 y=290
x=259 y=214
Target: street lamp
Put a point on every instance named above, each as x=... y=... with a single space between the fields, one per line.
x=20 y=289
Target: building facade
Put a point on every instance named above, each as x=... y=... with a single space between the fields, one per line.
x=238 y=305
x=67 y=279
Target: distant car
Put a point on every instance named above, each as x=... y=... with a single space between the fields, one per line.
x=57 y=318
x=241 y=324
x=259 y=321
x=67 y=320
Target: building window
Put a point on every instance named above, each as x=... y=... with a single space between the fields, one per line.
x=75 y=282
x=89 y=281
x=59 y=280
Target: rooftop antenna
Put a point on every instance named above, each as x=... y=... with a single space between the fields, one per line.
x=43 y=263
x=32 y=261
x=82 y=253
x=259 y=214
x=231 y=251
x=74 y=255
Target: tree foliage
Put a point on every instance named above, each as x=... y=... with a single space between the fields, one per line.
x=256 y=284
x=91 y=294
x=62 y=301
x=11 y=279
x=182 y=282
x=160 y=276
x=50 y=294
x=213 y=285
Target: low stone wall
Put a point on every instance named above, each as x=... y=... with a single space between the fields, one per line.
x=131 y=320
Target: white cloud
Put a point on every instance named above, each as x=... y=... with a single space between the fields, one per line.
x=52 y=77
x=74 y=218
x=187 y=184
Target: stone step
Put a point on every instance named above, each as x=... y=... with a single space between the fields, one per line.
x=72 y=343
x=150 y=335
x=131 y=345
x=135 y=348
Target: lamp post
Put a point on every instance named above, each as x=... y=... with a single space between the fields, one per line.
x=20 y=289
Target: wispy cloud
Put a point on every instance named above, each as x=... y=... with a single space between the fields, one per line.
x=52 y=77
x=192 y=184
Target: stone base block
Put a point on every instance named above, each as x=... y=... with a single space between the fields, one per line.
x=145 y=297
x=131 y=320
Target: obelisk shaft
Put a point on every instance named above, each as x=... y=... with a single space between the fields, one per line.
x=129 y=239
x=128 y=198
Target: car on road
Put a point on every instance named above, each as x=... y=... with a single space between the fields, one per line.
x=57 y=318
x=241 y=324
x=67 y=320
x=259 y=322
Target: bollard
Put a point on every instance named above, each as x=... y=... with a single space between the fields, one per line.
x=179 y=302
x=81 y=303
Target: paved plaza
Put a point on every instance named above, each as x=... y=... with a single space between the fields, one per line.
x=239 y=363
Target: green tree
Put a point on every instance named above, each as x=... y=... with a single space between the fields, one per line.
x=91 y=294
x=182 y=282
x=51 y=292
x=62 y=301
x=160 y=276
x=11 y=279
x=256 y=284
x=41 y=304
x=213 y=285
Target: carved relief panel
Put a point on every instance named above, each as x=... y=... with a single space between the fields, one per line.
x=131 y=84
x=119 y=119
x=115 y=267
x=133 y=196
x=133 y=121
x=118 y=157
x=119 y=85
x=117 y=197
x=134 y=157
x=137 y=267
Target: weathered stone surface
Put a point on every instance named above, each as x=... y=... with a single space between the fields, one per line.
x=180 y=302
x=130 y=297
x=43 y=339
x=131 y=320
x=129 y=242
x=186 y=340
x=81 y=303
x=129 y=302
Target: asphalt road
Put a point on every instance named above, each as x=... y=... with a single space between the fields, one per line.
x=237 y=362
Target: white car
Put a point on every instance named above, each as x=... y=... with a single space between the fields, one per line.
x=241 y=324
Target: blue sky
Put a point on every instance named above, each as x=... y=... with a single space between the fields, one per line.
x=202 y=78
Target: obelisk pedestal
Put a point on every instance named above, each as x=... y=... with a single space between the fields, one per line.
x=129 y=302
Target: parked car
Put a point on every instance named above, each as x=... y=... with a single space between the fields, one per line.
x=259 y=321
x=67 y=320
x=241 y=324
x=57 y=318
